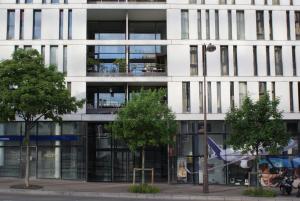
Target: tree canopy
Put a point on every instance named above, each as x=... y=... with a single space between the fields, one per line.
x=257 y=124
x=31 y=90
x=145 y=121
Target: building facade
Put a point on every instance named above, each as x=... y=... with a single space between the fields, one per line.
x=109 y=49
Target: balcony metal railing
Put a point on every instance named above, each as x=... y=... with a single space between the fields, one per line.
x=131 y=70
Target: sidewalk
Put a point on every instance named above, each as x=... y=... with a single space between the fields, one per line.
x=173 y=191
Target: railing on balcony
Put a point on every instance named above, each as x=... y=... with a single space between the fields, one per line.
x=134 y=69
x=126 y=1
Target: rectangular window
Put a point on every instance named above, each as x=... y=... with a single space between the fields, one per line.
x=43 y=52
x=65 y=59
x=69 y=87
x=199 y=24
x=297 y=24
x=194 y=60
x=217 y=24
x=232 y=94
x=21 y=24
x=28 y=1
x=184 y=24
x=268 y=60
x=10 y=25
x=273 y=91
x=288 y=27
x=299 y=95
x=260 y=29
x=278 y=60
x=27 y=47
x=255 y=60
x=201 y=97
x=294 y=60
x=235 y=61
x=219 y=95
x=61 y=24
x=276 y=2
x=193 y=1
x=240 y=22
x=262 y=88
x=229 y=25
x=209 y=100
x=53 y=55
x=291 y=97
x=270 y=25
x=242 y=92
x=37 y=24
x=70 y=21
x=224 y=60
x=207 y=24
x=186 y=104
x=222 y=1
x=54 y=1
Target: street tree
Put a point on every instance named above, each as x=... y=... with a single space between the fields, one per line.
x=31 y=91
x=145 y=121
x=257 y=125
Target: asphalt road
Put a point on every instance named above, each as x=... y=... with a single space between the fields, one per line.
x=19 y=197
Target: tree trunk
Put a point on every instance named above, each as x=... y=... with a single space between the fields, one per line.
x=26 y=142
x=143 y=166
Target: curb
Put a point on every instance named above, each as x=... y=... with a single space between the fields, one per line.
x=142 y=196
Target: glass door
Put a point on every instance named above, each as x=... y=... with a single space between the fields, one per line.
x=32 y=159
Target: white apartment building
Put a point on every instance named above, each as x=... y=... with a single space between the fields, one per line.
x=111 y=48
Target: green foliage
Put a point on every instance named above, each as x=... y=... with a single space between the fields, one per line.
x=121 y=63
x=143 y=188
x=257 y=124
x=31 y=90
x=145 y=121
x=259 y=192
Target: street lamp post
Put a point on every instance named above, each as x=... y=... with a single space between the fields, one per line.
x=205 y=49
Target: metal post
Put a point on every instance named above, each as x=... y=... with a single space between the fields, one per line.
x=205 y=171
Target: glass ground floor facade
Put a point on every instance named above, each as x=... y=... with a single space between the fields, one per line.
x=86 y=151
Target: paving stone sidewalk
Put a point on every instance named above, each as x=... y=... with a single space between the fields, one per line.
x=100 y=189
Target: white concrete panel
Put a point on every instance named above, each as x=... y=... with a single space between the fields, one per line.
x=77 y=59
x=245 y=60
x=3 y=24
x=266 y=24
x=250 y=25
x=225 y=96
x=253 y=90
x=223 y=24
x=261 y=61
x=203 y=23
x=279 y=25
x=50 y=24
x=234 y=30
x=78 y=90
x=65 y=24
x=28 y=24
x=243 y=2
x=60 y=58
x=194 y=87
x=193 y=24
x=292 y=25
x=177 y=1
x=175 y=96
x=259 y=2
x=17 y=24
x=179 y=60
x=6 y=52
x=174 y=24
x=77 y=1
x=272 y=61
x=295 y=96
x=212 y=24
x=79 y=24
x=287 y=60
x=214 y=97
x=47 y=55
x=236 y=94
x=282 y=92
x=297 y=2
x=200 y=61
x=285 y=2
x=214 y=63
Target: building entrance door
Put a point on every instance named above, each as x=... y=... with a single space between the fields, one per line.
x=32 y=159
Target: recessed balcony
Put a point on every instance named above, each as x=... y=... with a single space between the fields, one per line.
x=126 y=61
x=126 y=25
x=108 y=98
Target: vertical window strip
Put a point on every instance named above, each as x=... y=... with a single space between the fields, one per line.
x=235 y=61
x=70 y=22
x=184 y=24
x=255 y=60
x=291 y=97
x=10 y=25
x=294 y=61
x=217 y=25
x=201 y=97
x=219 y=95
